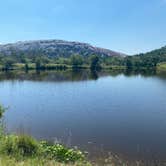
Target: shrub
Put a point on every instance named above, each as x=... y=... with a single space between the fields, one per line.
x=18 y=145
x=2 y=110
x=23 y=146
x=26 y=145
x=61 y=153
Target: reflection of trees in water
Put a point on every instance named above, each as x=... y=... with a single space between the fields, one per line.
x=145 y=73
x=94 y=75
x=140 y=72
x=73 y=75
x=58 y=76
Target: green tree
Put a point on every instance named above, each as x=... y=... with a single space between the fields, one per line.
x=129 y=64
x=8 y=63
x=38 y=63
x=45 y=60
x=94 y=62
x=76 y=60
x=26 y=66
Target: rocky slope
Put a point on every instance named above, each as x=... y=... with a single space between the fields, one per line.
x=54 y=48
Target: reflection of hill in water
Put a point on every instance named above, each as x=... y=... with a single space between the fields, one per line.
x=69 y=75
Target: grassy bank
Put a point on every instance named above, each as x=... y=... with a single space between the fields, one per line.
x=32 y=66
x=161 y=67
x=25 y=150
x=53 y=66
x=7 y=161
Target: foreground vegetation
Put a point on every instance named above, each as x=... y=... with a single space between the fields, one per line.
x=22 y=149
x=7 y=161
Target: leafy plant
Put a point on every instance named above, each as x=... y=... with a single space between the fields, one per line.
x=22 y=145
x=2 y=110
x=61 y=153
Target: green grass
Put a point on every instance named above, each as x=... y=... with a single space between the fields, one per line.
x=25 y=150
x=56 y=66
x=161 y=67
x=113 y=67
x=52 y=66
x=8 y=161
x=17 y=66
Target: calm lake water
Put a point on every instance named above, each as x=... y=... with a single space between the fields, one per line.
x=124 y=113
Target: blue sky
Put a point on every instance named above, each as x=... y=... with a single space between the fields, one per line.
x=129 y=26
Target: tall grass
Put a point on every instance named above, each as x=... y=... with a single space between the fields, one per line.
x=21 y=147
x=8 y=161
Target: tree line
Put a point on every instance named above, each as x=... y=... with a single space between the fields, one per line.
x=94 y=62
x=41 y=62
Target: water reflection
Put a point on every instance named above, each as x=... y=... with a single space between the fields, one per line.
x=73 y=75
x=59 y=76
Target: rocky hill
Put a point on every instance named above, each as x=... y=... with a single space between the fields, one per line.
x=54 y=48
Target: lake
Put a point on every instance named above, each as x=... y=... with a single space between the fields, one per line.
x=123 y=113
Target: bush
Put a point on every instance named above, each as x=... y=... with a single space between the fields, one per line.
x=2 y=110
x=95 y=65
x=61 y=153
x=25 y=146
x=18 y=146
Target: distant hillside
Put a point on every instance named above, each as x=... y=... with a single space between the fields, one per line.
x=157 y=52
x=154 y=57
x=147 y=60
x=54 y=48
